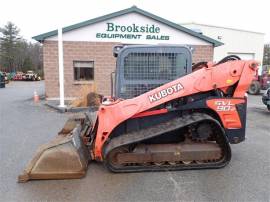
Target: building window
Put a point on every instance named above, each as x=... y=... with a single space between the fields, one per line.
x=83 y=70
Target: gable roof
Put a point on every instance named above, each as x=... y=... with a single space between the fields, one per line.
x=132 y=9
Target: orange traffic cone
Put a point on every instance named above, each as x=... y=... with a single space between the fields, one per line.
x=36 y=97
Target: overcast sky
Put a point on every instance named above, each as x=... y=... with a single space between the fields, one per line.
x=35 y=17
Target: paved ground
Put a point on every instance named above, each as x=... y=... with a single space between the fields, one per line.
x=24 y=126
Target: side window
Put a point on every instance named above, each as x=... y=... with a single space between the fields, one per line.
x=83 y=70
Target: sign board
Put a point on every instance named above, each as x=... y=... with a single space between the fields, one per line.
x=131 y=28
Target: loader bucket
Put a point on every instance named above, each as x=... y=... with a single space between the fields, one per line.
x=65 y=157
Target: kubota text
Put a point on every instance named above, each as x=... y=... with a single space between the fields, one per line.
x=164 y=93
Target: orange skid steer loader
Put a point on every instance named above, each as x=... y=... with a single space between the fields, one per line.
x=163 y=114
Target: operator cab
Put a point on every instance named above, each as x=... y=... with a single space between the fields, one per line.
x=141 y=68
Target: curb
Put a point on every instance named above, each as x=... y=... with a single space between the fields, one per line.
x=70 y=109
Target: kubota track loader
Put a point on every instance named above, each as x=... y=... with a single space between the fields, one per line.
x=165 y=115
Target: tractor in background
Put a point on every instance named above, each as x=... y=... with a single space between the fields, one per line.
x=266 y=98
x=31 y=76
x=260 y=82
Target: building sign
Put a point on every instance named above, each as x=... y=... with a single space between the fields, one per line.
x=131 y=28
x=132 y=31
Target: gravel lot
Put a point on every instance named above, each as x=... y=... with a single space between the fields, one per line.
x=25 y=125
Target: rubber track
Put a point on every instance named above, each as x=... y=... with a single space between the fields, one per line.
x=157 y=130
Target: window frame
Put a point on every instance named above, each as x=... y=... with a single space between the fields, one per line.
x=83 y=61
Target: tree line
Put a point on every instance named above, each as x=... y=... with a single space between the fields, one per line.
x=18 y=54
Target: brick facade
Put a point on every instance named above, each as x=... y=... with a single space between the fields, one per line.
x=104 y=63
x=202 y=53
x=100 y=53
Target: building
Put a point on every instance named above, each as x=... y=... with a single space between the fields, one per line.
x=245 y=44
x=88 y=48
x=266 y=56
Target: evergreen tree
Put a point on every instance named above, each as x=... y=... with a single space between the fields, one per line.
x=8 y=45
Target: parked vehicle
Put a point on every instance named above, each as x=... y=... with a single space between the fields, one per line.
x=2 y=80
x=19 y=76
x=31 y=76
x=5 y=77
x=266 y=98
